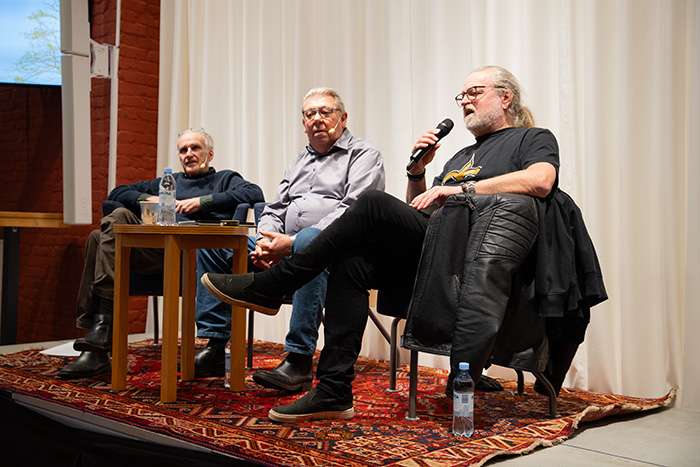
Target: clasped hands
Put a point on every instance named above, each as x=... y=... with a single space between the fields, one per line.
x=270 y=249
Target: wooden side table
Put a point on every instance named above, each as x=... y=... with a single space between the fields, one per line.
x=175 y=239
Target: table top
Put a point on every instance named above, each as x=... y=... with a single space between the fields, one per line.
x=188 y=230
x=31 y=219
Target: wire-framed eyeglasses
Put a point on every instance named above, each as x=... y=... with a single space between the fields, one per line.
x=473 y=93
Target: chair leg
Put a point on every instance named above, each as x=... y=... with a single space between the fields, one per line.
x=551 y=394
x=251 y=327
x=394 y=354
x=156 y=327
x=413 y=387
x=380 y=326
x=521 y=382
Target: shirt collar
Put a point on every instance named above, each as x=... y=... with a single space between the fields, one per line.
x=340 y=145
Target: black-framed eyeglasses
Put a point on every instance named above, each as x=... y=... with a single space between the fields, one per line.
x=473 y=93
x=324 y=112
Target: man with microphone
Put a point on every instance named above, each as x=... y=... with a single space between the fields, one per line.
x=377 y=243
x=324 y=179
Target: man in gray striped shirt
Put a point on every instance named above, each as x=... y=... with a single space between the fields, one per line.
x=324 y=179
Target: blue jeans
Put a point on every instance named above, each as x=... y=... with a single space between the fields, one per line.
x=214 y=317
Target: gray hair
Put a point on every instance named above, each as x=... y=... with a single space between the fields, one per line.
x=503 y=79
x=325 y=92
x=208 y=139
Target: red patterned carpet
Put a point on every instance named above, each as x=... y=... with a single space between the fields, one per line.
x=237 y=424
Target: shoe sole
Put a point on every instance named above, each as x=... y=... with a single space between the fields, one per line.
x=272 y=384
x=209 y=373
x=102 y=371
x=328 y=415
x=232 y=301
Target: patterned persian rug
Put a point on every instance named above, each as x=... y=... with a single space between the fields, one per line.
x=209 y=415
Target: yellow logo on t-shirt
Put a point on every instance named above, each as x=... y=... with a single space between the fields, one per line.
x=461 y=174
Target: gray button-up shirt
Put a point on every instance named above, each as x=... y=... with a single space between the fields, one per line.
x=318 y=188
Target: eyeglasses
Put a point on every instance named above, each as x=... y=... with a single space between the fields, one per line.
x=325 y=113
x=196 y=130
x=473 y=93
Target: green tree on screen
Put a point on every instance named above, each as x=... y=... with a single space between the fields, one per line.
x=44 y=54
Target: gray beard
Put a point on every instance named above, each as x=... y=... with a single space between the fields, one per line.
x=481 y=123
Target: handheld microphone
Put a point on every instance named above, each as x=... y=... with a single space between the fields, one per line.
x=443 y=128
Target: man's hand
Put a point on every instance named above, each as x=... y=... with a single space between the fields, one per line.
x=426 y=140
x=188 y=206
x=271 y=249
x=436 y=194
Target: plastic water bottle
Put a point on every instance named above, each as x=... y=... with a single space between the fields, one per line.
x=463 y=403
x=166 y=199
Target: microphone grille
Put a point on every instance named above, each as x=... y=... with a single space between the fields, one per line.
x=445 y=126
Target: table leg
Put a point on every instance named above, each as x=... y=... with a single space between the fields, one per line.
x=10 y=286
x=120 y=325
x=171 y=297
x=238 y=334
x=189 y=292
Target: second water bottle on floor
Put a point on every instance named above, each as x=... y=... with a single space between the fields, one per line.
x=463 y=403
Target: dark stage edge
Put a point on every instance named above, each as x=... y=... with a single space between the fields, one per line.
x=37 y=433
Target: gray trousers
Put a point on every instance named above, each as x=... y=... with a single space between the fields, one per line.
x=97 y=281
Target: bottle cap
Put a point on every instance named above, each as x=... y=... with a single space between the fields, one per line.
x=463 y=366
x=168 y=170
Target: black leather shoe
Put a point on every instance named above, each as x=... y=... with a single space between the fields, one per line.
x=88 y=364
x=235 y=289
x=99 y=339
x=210 y=361
x=311 y=406
x=288 y=376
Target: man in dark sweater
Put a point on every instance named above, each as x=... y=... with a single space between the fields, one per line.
x=201 y=193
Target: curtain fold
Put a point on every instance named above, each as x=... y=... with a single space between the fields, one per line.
x=617 y=81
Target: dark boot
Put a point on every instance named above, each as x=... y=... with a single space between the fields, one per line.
x=211 y=360
x=295 y=373
x=99 y=339
x=88 y=364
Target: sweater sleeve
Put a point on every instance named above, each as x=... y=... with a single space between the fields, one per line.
x=129 y=195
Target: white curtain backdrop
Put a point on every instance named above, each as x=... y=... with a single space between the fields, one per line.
x=617 y=81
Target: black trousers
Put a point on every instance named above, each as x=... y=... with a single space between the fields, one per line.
x=375 y=244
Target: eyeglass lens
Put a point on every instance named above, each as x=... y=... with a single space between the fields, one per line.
x=471 y=94
x=324 y=112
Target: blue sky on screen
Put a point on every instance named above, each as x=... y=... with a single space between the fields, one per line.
x=14 y=24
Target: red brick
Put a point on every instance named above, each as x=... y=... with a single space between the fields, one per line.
x=51 y=260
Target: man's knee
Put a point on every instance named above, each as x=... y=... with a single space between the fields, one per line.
x=507 y=227
x=119 y=216
x=304 y=237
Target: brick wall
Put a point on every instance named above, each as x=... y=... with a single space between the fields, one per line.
x=51 y=260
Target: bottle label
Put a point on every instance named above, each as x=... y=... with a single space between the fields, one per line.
x=463 y=404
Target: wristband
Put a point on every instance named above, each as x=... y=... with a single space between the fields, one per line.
x=416 y=177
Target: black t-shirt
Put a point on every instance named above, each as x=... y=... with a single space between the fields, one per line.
x=500 y=152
